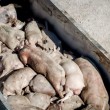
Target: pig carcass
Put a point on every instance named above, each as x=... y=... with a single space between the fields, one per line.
x=50 y=39
x=94 y=92
x=11 y=37
x=8 y=14
x=42 y=63
x=39 y=100
x=41 y=85
x=8 y=62
x=70 y=104
x=19 y=102
x=33 y=33
x=17 y=81
x=74 y=78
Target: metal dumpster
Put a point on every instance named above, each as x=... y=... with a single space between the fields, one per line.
x=72 y=35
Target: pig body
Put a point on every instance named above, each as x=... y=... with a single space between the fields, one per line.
x=40 y=85
x=8 y=13
x=33 y=33
x=39 y=100
x=70 y=104
x=11 y=37
x=42 y=63
x=74 y=78
x=10 y=62
x=94 y=92
x=17 y=81
x=19 y=102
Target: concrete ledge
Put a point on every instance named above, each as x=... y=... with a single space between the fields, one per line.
x=92 y=15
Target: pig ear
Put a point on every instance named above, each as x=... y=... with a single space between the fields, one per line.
x=65 y=55
x=58 y=48
x=11 y=4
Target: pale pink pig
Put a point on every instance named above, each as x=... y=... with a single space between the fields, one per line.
x=94 y=93
x=11 y=37
x=39 y=100
x=42 y=63
x=74 y=81
x=8 y=14
x=33 y=33
x=17 y=81
x=19 y=102
x=8 y=62
x=41 y=85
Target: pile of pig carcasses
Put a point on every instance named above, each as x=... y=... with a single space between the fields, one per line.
x=90 y=92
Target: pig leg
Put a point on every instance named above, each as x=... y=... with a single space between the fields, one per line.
x=58 y=89
x=68 y=95
x=7 y=93
x=18 y=92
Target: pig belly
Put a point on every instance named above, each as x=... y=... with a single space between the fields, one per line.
x=94 y=92
x=74 y=82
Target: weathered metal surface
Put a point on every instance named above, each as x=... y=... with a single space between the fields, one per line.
x=73 y=35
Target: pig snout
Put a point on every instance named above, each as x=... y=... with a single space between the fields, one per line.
x=77 y=91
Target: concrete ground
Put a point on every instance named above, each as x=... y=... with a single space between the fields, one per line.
x=92 y=15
